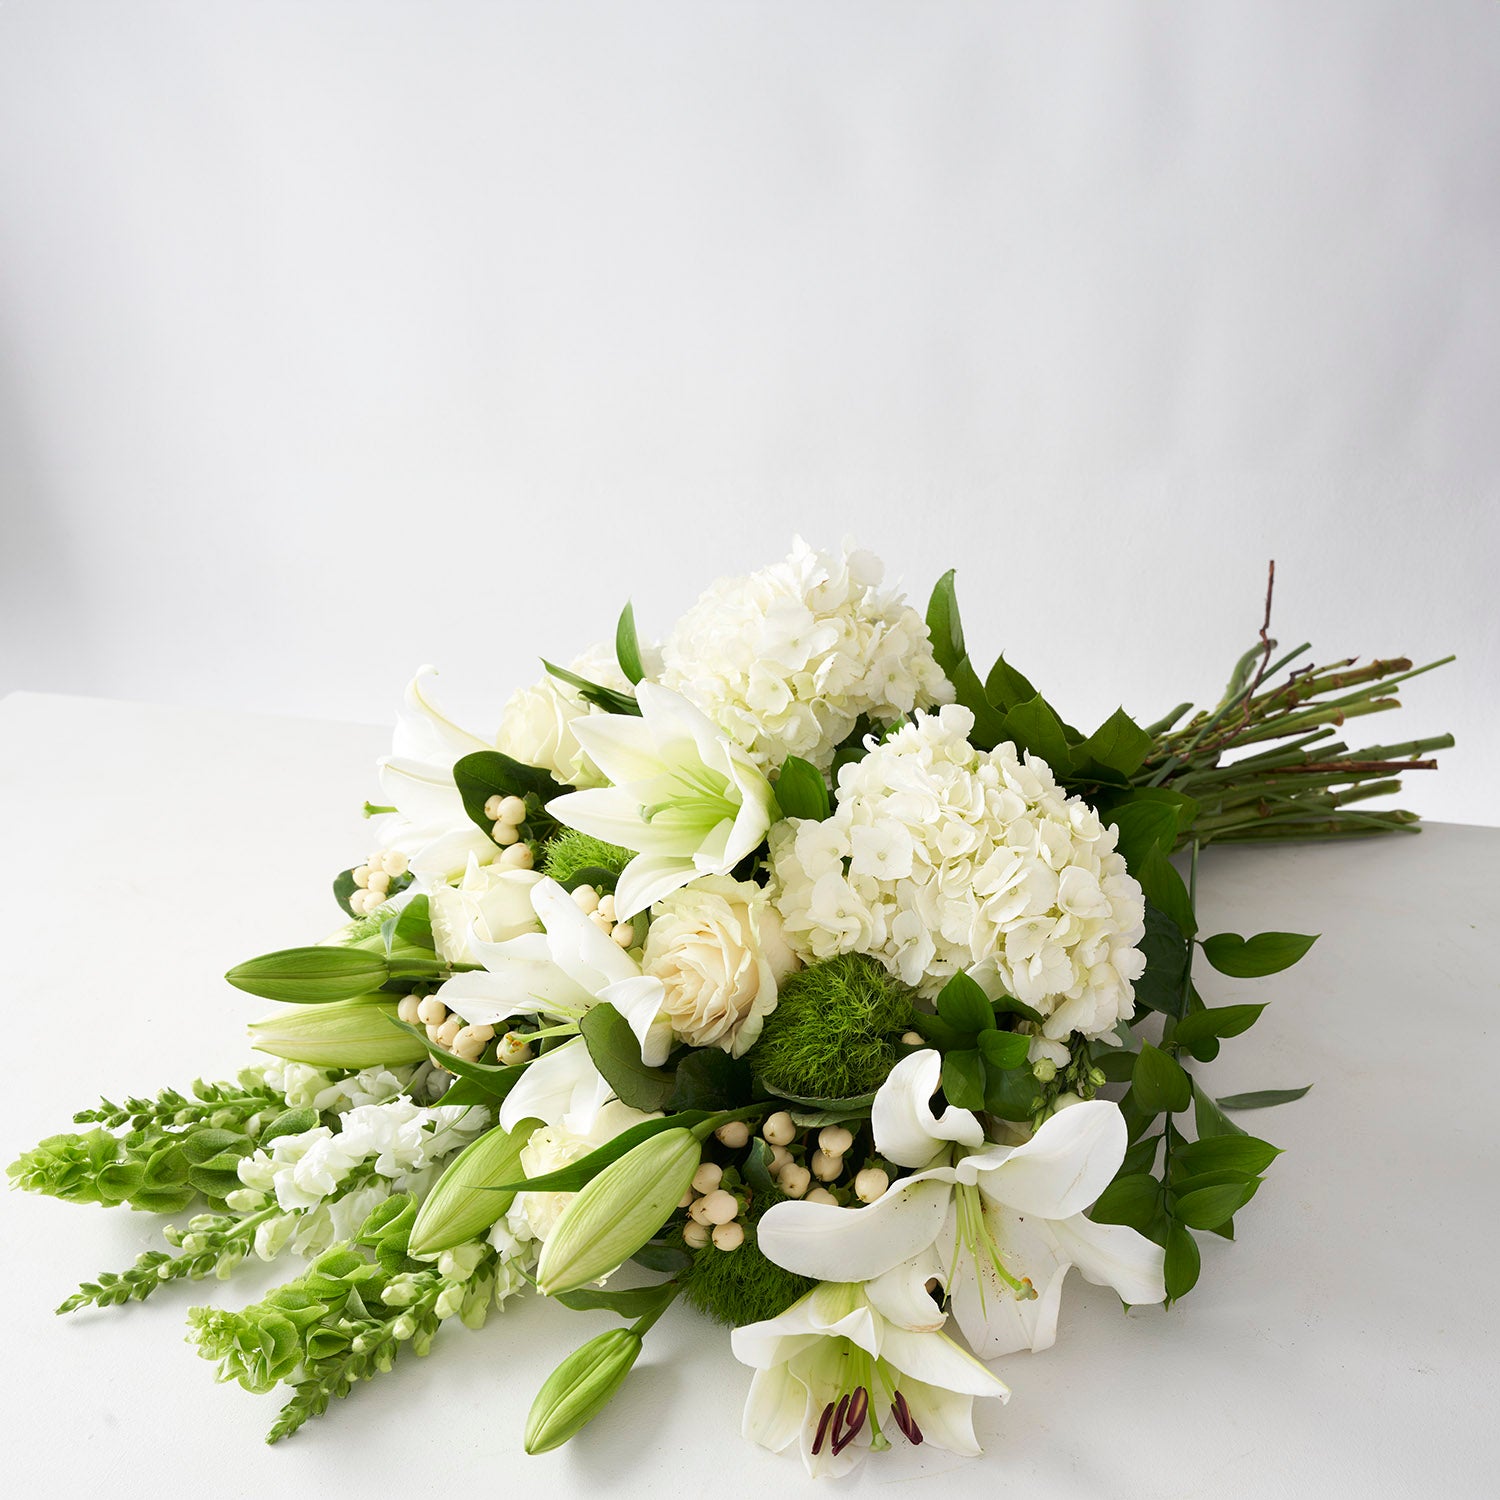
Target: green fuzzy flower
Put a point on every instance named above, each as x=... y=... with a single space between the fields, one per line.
x=742 y=1286
x=572 y=854
x=836 y=1029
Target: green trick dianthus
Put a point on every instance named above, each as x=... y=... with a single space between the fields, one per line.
x=836 y=1029
x=741 y=1286
x=571 y=853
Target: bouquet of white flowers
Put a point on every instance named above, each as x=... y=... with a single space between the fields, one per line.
x=848 y=995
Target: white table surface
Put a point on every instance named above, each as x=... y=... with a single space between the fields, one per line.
x=1346 y=1346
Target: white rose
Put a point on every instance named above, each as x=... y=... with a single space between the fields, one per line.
x=495 y=902
x=717 y=949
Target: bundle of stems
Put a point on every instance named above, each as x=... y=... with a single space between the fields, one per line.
x=1263 y=763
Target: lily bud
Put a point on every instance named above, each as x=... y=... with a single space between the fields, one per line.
x=580 y=1387
x=464 y=1204
x=341 y=1034
x=615 y=1213
x=311 y=976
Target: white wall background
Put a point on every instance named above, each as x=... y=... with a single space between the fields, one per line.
x=338 y=337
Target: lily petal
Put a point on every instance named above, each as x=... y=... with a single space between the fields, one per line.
x=993 y=1319
x=1071 y=1159
x=906 y=1130
x=1114 y=1255
x=901 y=1296
x=639 y=1000
x=604 y=812
x=938 y=1361
x=774 y=1408
x=647 y=879
x=562 y=1083
x=857 y=1244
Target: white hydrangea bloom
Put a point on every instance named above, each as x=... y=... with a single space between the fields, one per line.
x=786 y=660
x=940 y=858
x=537 y=725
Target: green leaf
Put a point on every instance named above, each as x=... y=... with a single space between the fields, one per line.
x=1262 y=1098
x=757 y=1168
x=200 y=1146
x=801 y=791
x=1011 y=1093
x=488 y=773
x=710 y=1079
x=617 y=1055
x=1265 y=953
x=657 y=1256
x=1219 y=1021
x=1183 y=1261
x=611 y=701
x=343 y=888
x=289 y=1122
x=1141 y=1157
x=1003 y=1049
x=1116 y=1063
x=1005 y=687
x=964 y=1006
x=629 y=1303
x=1035 y=727
x=1209 y=1118
x=1134 y=1199
x=311 y=976
x=1210 y=1206
x=1165 y=891
x=1160 y=1083
x=1008 y=1005
x=964 y=1079
x=1143 y=826
x=1226 y=1153
x=412 y=926
x=1163 y=986
x=946 y=630
x=1118 y=744
x=627 y=647
x=854 y=1104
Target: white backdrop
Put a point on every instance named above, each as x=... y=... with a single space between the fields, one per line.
x=338 y=337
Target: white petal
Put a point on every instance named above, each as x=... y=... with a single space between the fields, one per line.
x=993 y=1319
x=623 y=746
x=856 y=1244
x=548 y=1090
x=639 y=1000
x=1114 y=1255
x=579 y=948
x=424 y=732
x=422 y=791
x=946 y=1419
x=901 y=1297
x=937 y=1360
x=1065 y=1165
x=906 y=1130
x=605 y=812
x=774 y=1409
x=512 y=986
x=647 y=879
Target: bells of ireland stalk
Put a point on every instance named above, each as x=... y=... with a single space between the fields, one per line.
x=615 y=1213
x=580 y=1387
x=464 y=1203
x=341 y=1034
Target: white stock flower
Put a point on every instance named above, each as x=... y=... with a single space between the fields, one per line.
x=962 y=860
x=1006 y=1222
x=493 y=904
x=713 y=960
x=686 y=797
x=848 y=1360
x=538 y=725
x=788 y=659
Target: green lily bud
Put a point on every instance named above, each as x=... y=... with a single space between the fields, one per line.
x=580 y=1388
x=615 y=1213
x=342 y=1034
x=311 y=976
x=463 y=1204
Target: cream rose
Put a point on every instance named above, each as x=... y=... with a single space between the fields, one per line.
x=717 y=951
x=495 y=903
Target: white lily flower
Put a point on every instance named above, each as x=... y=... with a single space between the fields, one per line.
x=684 y=795
x=558 y=973
x=430 y=825
x=1007 y=1221
x=846 y=1363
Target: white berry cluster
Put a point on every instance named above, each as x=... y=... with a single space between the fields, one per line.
x=447 y=1029
x=373 y=880
x=940 y=858
x=600 y=910
x=786 y=660
x=506 y=814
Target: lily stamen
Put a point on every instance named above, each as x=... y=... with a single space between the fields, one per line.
x=823 y=1422
x=904 y=1419
x=849 y=1418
